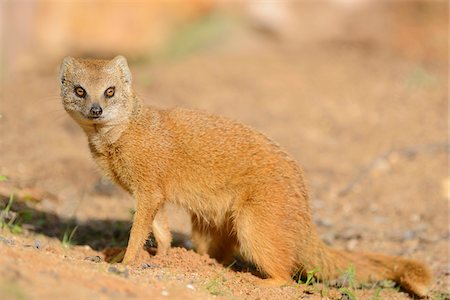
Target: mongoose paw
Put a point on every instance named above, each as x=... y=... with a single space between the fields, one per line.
x=273 y=282
x=142 y=258
x=117 y=254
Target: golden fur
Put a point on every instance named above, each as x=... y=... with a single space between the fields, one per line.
x=242 y=190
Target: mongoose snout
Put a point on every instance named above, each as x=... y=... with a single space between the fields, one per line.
x=95 y=111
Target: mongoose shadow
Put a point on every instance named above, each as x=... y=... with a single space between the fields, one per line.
x=99 y=234
x=110 y=237
x=107 y=236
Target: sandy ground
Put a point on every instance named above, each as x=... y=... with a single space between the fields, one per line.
x=366 y=117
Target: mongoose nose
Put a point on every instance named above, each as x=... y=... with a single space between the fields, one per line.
x=96 y=110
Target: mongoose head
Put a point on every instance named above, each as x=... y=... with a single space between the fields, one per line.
x=96 y=92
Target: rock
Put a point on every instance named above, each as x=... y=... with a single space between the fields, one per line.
x=415 y=218
x=328 y=238
x=351 y=244
x=159 y=276
x=149 y=266
x=123 y=273
x=52 y=273
x=409 y=235
x=386 y=284
x=151 y=243
x=37 y=244
x=94 y=258
x=187 y=244
x=323 y=222
x=105 y=187
x=346 y=296
x=348 y=234
x=421 y=227
x=7 y=241
x=447 y=271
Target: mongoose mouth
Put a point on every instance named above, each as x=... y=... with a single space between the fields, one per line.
x=94 y=118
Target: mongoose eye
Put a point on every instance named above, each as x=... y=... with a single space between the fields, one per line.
x=80 y=92
x=110 y=92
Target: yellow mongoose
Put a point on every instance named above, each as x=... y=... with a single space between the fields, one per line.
x=242 y=190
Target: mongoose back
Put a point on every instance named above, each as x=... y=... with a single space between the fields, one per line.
x=243 y=191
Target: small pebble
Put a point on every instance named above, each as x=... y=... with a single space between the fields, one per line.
x=54 y=274
x=447 y=272
x=115 y=270
x=151 y=243
x=7 y=241
x=37 y=244
x=415 y=218
x=149 y=266
x=386 y=284
x=328 y=238
x=165 y=293
x=104 y=187
x=323 y=223
x=190 y=286
x=345 y=296
x=409 y=235
x=351 y=244
x=187 y=244
x=159 y=276
x=95 y=258
x=348 y=234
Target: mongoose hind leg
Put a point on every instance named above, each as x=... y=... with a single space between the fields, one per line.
x=161 y=231
x=266 y=242
x=201 y=236
x=218 y=243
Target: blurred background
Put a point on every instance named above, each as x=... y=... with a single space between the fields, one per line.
x=355 y=90
x=45 y=31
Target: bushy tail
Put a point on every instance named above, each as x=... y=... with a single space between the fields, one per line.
x=331 y=264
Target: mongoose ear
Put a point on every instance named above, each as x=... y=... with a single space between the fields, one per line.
x=121 y=62
x=65 y=65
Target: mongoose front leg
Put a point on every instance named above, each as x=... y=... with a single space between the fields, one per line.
x=161 y=231
x=146 y=208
